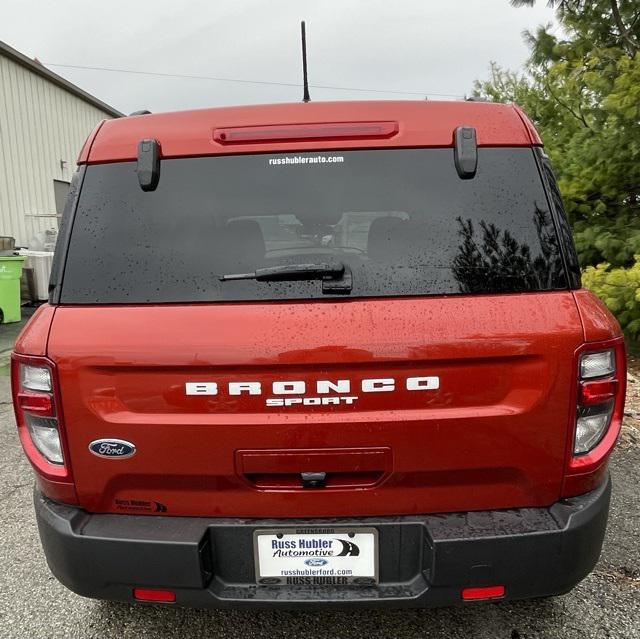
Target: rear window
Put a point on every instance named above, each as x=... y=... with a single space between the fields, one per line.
x=402 y=221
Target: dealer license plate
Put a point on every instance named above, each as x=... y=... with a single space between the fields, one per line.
x=316 y=556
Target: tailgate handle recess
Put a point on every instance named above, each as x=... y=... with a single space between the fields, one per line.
x=289 y=469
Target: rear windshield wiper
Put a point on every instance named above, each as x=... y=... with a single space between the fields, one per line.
x=336 y=277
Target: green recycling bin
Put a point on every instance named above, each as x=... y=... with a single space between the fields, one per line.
x=10 y=273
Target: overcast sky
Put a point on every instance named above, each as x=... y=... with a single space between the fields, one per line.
x=420 y=46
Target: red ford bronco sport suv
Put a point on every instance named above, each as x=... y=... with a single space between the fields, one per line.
x=324 y=354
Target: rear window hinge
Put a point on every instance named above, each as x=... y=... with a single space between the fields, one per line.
x=466 y=151
x=148 y=168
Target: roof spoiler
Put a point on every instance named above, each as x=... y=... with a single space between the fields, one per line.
x=148 y=168
x=466 y=151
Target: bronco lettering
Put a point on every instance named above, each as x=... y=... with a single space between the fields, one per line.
x=341 y=386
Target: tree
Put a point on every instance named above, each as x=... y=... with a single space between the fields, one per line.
x=610 y=22
x=582 y=90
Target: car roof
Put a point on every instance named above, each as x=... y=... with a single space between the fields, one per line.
x=406 y=123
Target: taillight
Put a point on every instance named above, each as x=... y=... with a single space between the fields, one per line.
x=40 y=426
x=597 y=386
x=601 y=381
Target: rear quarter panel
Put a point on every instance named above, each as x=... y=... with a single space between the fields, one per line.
x=598 y=323
x=33 y=337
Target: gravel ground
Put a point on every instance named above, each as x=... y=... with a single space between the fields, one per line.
x=606 y=604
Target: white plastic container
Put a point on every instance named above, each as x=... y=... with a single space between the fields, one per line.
x=40 y=262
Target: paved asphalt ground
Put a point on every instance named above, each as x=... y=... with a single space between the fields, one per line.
x=33 y=604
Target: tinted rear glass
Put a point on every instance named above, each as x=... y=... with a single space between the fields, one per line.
x=402 y=221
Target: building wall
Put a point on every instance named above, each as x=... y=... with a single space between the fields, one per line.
x=41 y=125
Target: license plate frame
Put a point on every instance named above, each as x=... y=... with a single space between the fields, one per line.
x=365 y=561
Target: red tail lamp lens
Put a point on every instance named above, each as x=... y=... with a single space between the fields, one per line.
x=39 y=403
x=597 y=392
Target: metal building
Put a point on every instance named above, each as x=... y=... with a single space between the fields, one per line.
x=44 y=120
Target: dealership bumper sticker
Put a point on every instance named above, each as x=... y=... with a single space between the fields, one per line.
x=316 y=557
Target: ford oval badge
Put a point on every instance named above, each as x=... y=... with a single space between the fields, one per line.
x=112 y=448
x=315 y=561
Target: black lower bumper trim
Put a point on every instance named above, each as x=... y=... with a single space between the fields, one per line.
x=423 y=560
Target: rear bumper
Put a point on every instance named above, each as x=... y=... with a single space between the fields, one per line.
x=423 y=560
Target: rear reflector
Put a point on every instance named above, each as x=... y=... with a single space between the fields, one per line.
x=486 y=592
x=295 y=132
x=151 y=594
